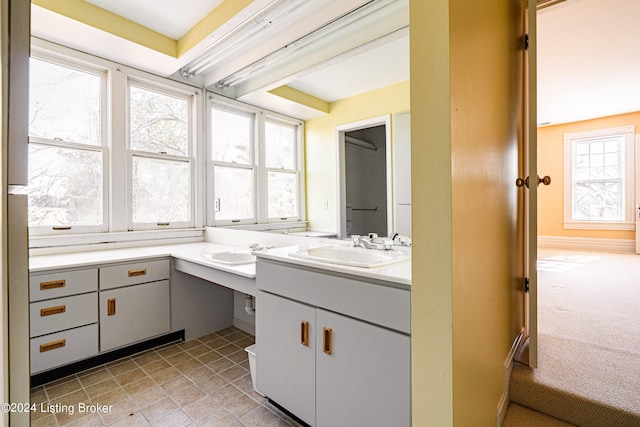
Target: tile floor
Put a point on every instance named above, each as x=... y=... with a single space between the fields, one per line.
x=203 y=382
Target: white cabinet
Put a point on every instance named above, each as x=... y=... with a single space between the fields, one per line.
x=76 y=314
x=287 y=354
x=329 y=369
x=364 y=379
x=133 y=313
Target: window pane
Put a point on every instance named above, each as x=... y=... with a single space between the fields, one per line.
x=598 y=201
x=233 y=193
x=65 y=186
x=160 y=190
x=231 y=136
x=283 y=194
x=280 y=147
x=64 y=103
x=158 y=122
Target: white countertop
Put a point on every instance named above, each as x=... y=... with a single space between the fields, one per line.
x=186 y=251
x=399 y=272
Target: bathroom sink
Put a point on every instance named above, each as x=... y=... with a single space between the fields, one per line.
x=230 y=257
x=354 y=257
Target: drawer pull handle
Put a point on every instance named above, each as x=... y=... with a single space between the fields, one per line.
x=52 y=345
x=58 y=309
x=138 y=272
x=111 y=307
x=52 y=284
x=327 y=338
x=304 y=333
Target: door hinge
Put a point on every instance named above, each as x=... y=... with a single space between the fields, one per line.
x=525 y=284
x=526 y=41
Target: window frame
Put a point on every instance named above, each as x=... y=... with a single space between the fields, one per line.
x=189 y=158
x=260 y=171
x=103 y=148
x=628 y=179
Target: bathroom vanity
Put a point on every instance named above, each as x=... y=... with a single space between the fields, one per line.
x=333 y=342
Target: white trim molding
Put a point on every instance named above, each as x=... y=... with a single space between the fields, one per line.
x=587 y=244
x=507 y=368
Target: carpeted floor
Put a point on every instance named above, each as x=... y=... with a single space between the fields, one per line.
x=588 y=341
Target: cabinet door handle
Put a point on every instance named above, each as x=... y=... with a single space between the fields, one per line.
x=327 y=340
x=304 y=333
x=137 y=272
x=111 y=307
x=53 y=310
x=52 y=345
x=52 y=284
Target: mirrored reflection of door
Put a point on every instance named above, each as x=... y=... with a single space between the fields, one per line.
x=365 y=181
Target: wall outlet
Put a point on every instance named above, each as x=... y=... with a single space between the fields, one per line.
x=325 y=205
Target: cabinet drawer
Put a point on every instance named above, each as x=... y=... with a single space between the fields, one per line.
x=134 y=273
x=64 y=347
x=60 y=284
x=63 y=313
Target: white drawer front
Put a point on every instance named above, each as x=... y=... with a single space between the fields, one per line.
x=63 y=313
x=65 y=347
x=60 y=284
x=134 y=273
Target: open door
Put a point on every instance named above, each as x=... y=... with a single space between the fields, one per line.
x=531 y=209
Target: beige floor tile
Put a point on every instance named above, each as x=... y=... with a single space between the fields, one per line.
x=235 y=336
x=71 y=399
x=131 y=376
x=139 y=386
x=189 y=344
x=218 y=417
x=202 y=409
x=226 y=332
x=241 y=405
x=133 y=419
x=212 y=384
x=259 y=417
x=38 y=395
x=119 y=411
x=217 y=343
x=220 y=365
x=168 y=350
x=238 y=356
x=175 y=418
x=91 y=420
x=146 y=357
x=121 y=366
x=58 y=390
x=186 y=395
x=245 y=342
x=156 y=366
x=244 y=383
x=94 y=376
x=233 y=373
x=188 y=366
x=156 y=411
x=209 y=337
x=209 y=357
x=228 y=349
x=101 y=388
x=149 y=396
x=112 y=397
x=181 y=357
x=47 y=421
x=198 y=350
x=255 y=396
x=165 y=375
x=176 y=384
x=226 y=394
x=246 y=365
x=199 y=374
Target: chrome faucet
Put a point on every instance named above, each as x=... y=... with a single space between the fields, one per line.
x=372 y=242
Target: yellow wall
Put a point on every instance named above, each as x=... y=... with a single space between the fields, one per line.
x=320 y=147
x=551 y=162
x=466 y=124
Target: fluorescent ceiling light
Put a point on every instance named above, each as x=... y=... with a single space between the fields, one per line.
x=343 y=37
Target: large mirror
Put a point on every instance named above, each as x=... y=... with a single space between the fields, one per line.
x=349 y=82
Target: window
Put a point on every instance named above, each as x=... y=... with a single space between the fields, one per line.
x=160 y=156
x=255 y=166
x=112 y=150
x=67 y=150
x=599 y=179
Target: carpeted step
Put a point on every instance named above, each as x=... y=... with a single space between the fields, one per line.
x=579 y=384
x=519 y=416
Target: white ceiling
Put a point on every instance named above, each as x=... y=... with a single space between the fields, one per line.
x=169 y=17
x=379 y=67
x=588 y=60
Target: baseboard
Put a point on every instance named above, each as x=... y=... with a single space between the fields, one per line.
x=507 y=367
x=587 y=244
x=245 y=326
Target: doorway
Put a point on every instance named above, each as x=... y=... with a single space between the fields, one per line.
x=364 y=181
